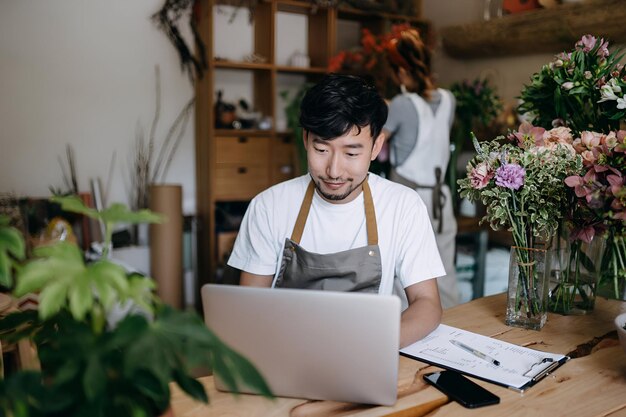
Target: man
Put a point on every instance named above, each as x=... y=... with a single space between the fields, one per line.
x=339 y=227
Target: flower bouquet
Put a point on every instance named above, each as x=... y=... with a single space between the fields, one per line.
x=580 y=89
x=600 y=203
x=519 y=179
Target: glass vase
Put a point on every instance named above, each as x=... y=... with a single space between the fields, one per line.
x=527 y=298
x=613 y=271
x=574 y=276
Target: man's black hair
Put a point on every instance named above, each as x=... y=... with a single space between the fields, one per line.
x=338 y=103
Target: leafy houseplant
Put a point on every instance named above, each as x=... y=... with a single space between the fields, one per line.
x=106 y=344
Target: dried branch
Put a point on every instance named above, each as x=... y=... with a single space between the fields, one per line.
x=144 y=170
x=167 y=20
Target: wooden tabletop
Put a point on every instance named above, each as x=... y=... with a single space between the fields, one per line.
x=593 y=383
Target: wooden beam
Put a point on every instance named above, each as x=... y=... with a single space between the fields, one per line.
x=539 y=31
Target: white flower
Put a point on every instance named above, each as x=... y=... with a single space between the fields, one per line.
x=567 y=85
x=608 y=90
x=621 y=103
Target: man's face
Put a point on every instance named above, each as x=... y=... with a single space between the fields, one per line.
x=339 y=166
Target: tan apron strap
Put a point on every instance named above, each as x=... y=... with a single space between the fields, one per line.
x=298 y=229
x=370 y=215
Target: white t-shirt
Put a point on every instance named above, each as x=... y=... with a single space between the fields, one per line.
x=405 y=236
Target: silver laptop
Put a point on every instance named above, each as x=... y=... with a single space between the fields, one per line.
x=319 y=345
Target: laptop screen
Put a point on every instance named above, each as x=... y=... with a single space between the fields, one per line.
x=320 y=345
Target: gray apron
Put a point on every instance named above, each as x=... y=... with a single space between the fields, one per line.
x=356 y=269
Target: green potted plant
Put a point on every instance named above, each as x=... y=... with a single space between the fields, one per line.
x=107 y=345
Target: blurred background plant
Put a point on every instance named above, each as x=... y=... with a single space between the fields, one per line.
x=369 y=60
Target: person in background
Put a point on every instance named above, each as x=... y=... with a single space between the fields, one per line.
x=339 y=227
x=418 y=126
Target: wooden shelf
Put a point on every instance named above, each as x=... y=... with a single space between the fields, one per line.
x=539 y=31
x=301 y=70
x=354 y=14
x=241 y=65
x=242 y=132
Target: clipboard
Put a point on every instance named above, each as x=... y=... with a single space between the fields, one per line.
x=519 y=368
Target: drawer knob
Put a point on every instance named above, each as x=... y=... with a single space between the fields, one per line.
x=242 y=170
x=243 y=139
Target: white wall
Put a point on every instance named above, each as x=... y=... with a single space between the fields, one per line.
x=82 y=72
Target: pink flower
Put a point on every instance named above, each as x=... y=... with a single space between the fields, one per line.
x=590 y=139
x=480 y=175
x=616 y=182
x=609 y=140
x=560 y=135
x=586 y=43
x=576 y=182
x=603 y=51
x=589 y=158
x=528 y=135
x=585 y=234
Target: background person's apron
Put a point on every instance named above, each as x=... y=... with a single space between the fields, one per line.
x=422 y=171
x=357 y=269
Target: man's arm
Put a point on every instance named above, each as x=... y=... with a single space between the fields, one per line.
x=254 y=280
x=423 y=314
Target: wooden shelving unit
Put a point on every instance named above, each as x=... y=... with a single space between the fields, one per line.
x=234 y=165
x=539 y=31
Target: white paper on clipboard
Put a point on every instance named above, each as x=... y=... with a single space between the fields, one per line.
x=519 y=368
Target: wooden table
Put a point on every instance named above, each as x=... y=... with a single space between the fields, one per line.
x=591 y=384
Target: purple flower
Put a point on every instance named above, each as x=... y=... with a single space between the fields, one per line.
x=510 y=176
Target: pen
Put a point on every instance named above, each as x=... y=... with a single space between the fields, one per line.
x=475 y=352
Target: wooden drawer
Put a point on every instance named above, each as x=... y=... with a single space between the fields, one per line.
x=240 y=181
x=238 y=150
x=283 y=160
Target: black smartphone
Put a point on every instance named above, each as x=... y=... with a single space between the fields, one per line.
x=461 y=389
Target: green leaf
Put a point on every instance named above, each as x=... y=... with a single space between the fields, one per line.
x=11 y=240
x=94 y=379
x=81 y=297
x=67 y=252
x=151 y=385
x=131 y=328
x=74 y=204
x=32 y=278
x=112 y=274
x=52 y=298
x=191 y=386
x=5 y=270
x=119 y=213
x=103 y=289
